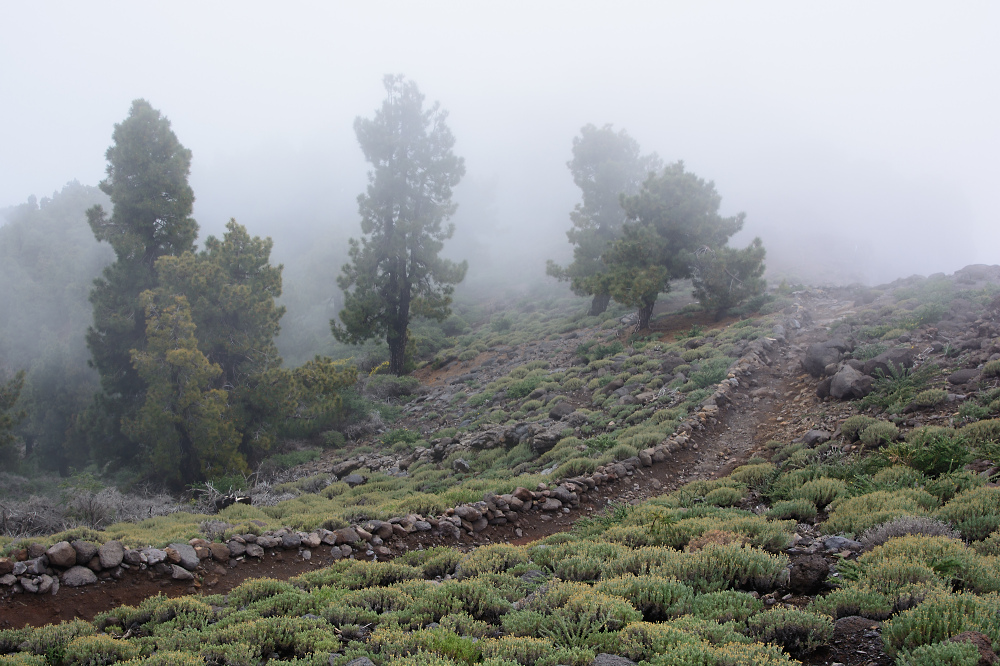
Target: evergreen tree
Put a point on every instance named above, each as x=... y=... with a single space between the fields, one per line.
x=151 y=217
x=673 y=216
x=395 y=270
x=726 y=277
x=231 y=287
x=10 y=392
x=183 y=424
x=606 y=165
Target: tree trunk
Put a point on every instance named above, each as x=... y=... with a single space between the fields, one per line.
x=599 y=304
x=645 y=313
x=397 y=354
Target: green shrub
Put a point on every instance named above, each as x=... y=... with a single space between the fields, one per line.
x=757 y=476
x=655 y=597
x=799 y=509
x=849 y=601
x=941 y=616
x=991 y=369
x=945 y=653
x=931 y=451
x=852 y=427
x=975 y=513
x=494 y=558
x=898 y=477
x=856 y=514
x=930 y=398
x=947 y=486
x=799 y=632
x=820 y=492
x=725 y=496
x=879 y=433
x=725 y=606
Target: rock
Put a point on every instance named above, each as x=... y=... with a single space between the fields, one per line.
x=85 y=551
x=551 y=504
x=133 y=558
x=154 y=556
x=605 y=659
x=29 y=585
x=290 y=541
x=814 y=437
x=346 y=467
x=823 y=388
x=547 y=439
x=963 y=376
x=35 y=550
x=982 y=642
x=461 y=465
x=468 y=513
x=111 y=554
x=236 y=548
x=9 y=579
x=561 y=410
x=849 y=383
x=838 y=543
x=354 y=480
x=79 y=575
x=220 y=552
x=808 y=573
x=180 y=573
x=254 y=550
x=822 y=354
x=188 y=558
x=346 y=535
x=564 y=495
x=6 y=566
x=360 y=661
x=892 y=359
x=523 y=494
x=36 y=566
x=62 y=555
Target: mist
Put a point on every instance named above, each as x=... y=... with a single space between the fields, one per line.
x=859 y=140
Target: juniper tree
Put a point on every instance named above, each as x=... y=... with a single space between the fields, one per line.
x=395 y=271
x=606 y=165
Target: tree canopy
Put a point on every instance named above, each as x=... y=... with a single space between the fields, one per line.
x=675 y=215
x=147 y=181
x=606 y=165
x=395 y=270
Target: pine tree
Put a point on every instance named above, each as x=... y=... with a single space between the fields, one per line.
x=395 y=270
x=151 y=217
x=231 y=287
x=673 y=216
x=183 y=425
x=606 y=165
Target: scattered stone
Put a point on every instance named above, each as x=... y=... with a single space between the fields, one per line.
x=111 y=554
x=61 y=555
x=850 y=384
x=187 y=557
x=85 y=551
x=354 y=480
x=808 y=573
x=180 y=573
x=78 y=575
x=963 y=376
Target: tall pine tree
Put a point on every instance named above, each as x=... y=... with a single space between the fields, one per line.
x=395 y=270
x=147 y=181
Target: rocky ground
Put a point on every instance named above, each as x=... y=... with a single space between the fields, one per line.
x=804 y=383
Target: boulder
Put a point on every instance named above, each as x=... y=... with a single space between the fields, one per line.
x=822 y=354
x=814 y=437
x=78 y=575
x=354 y=480
x=963 y=376
x=346 y=535
x=468 y=513
x=85 y=551
x=461 y=465
x=849 y=384
x=180 y=573
x=220 y=552
x=891 y=360
x=346 y=467
x=154 y=556
x=551 y=504
x=838 y=543
x=561 y=410
x=111 y=554
x=808 y=573
x=61 y=555
x=254 y=550
x=605 y=659
x=187 y=557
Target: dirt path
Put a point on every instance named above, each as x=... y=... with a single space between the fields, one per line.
x=772 y=405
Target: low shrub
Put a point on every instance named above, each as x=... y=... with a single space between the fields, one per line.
x=798 y=631
x=800 y=510
x=852 y=426
x=879 y=433
x=905 y=526
x=856 y=514
x=820 y=492
x=930 y=398
x=973 y=511
x=849 y=601
x=945 y=653
x=941 y=616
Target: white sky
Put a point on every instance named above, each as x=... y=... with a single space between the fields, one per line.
x=848 y=131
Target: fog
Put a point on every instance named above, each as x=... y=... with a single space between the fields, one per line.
x=860 y=139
